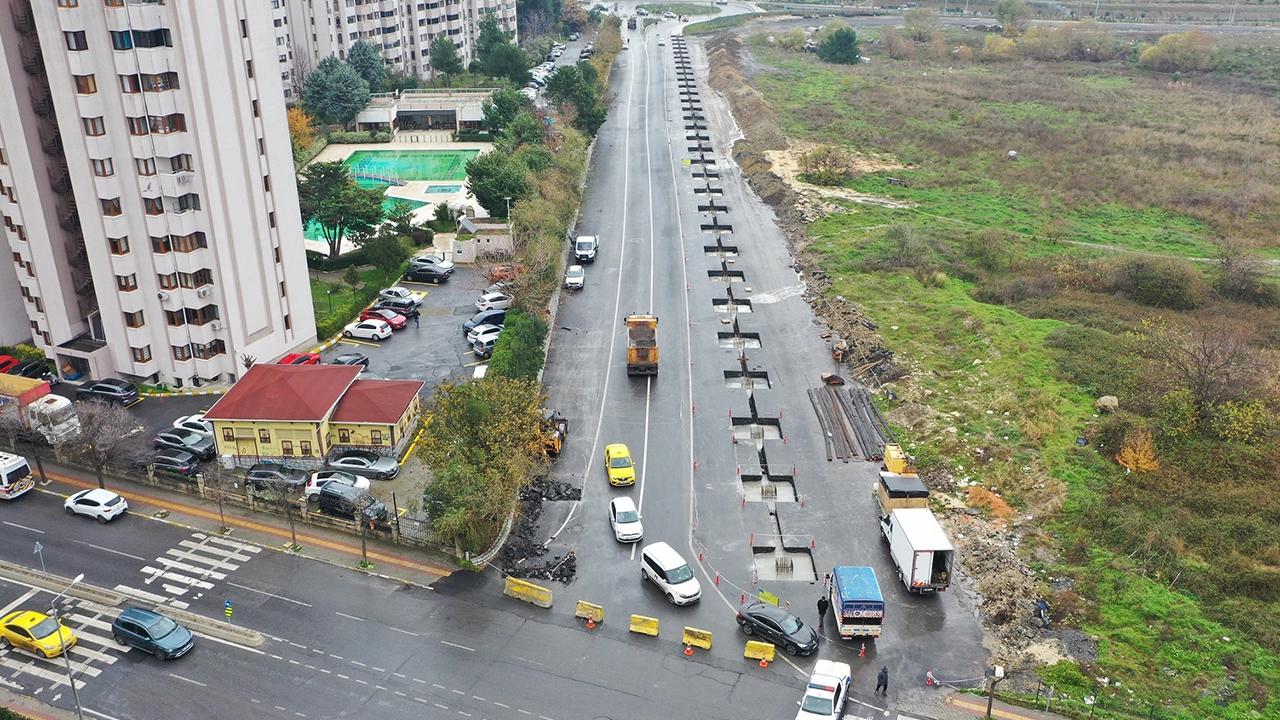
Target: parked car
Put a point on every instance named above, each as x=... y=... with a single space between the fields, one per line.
x=300 y=359
x=826 y=692
x=202 y=446
x=489 y=317
x=407 y=308
x=195 y=423
x=501 y=286
x=8 y=362
x=152 y=632
x=779 y=627
x=618 y=465
x=573 y=37
x=319 y=479
x=270 y=476
x=36 y=370
x=102 y=505
x=431 y=261
x=530 y=93
x=342 y=500
x=584 y=248
x=479 y=330
x=363 y=462
x=426 y=274
x=351 y=359
x=489 y=334
x=368 y=330
x=575 y=278
x=483 y=346
x=36 y=633
x=390 y=317
x=402 y=293
x=494 y=301
x=669 y=15
x=624 y=518
x=112 y=390
x=661 y=565
x=179 y=462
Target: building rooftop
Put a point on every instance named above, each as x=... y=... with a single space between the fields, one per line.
x=285 y=392
x=376 y=401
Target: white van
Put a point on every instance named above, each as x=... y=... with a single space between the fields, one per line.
x=15 y=476
x=663 y=566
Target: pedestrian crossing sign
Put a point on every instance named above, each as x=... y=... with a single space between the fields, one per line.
x=227 y=609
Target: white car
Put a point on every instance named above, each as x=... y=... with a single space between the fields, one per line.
x=625 y=520
x=669 y=15
x=661 y=565
x=432 y=261
x=575 y=278
x=484 y=329
x=529 y=93
x=368 y=330
x=319 y=479
x=487 y=336
x=102 y=505
x=195 y=423
x=401 y=293
x=493 y=301
x=827 y=691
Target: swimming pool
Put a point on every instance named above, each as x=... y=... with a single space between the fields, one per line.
x=312 y=230
x=380 y=168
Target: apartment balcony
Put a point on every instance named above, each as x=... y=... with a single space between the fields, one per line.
x=206 y=333
x=190 y=262
x=68 y=218
x=50 y=140
x=23 y=20
x=177 y=184
x=59 y=178
x=32 y=62
x=41 y=101
x=197 y=297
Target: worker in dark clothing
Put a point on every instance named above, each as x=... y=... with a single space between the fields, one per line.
x=882 y=681
x=823 y=604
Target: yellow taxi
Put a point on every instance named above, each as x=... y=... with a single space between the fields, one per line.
x=617 y=461
x=35 y=632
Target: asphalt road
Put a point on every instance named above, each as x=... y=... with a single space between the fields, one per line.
x=642 y=204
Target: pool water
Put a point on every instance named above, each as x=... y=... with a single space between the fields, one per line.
x=379 y=168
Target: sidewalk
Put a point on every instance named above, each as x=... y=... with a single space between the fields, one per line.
x=418 y=567
x=976 y=706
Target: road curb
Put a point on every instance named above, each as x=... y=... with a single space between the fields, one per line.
x=216 y=628
x=57 y=583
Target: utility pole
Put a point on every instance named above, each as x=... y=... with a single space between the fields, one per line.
x=994 y=676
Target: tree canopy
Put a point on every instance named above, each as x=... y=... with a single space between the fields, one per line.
x=444 y=57
x=508 y=61
x=334 y=92
x=841 y=47
x=366 y=59
x=493 y=177
x=575 y=85
x=501 y=108
x=328 y=195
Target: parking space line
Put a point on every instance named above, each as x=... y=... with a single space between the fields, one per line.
x=352 y=341
x=478 y=362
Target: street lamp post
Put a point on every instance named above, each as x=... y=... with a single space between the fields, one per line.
x=510 y=236
x=994 y=676
x=66 y=652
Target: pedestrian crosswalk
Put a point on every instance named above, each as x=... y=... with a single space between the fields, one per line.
x=185 y=573
x=94 y=650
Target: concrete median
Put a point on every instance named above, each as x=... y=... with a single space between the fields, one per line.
x=57 y=583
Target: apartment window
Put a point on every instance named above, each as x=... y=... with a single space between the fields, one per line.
x=68 y=3
x=152 y=38
x=264 y=435
x=305 y=446
x=288 y=324
x=188 y=202
x=254 y=104
x=271 y=219
x=145 y=166
x=286 y=446
x=127 y=283
x=375 y=437
x=275 y=253
x=344 y=435
x=103 y=167
x=199 y=278
x=181 y=352
x=130 y=84
x=164 y=124
x=153 y=206
x=178 y=163
x=160 y=82
x=17 y=259
x=119 y=246
x=205 y=351
x=175 y=318
x=244 y=28
x=189 y=243
x=93 y=126
x=262 y=147
x=169 y=281
x=121 y=40
x=38 y=303
x=202 y=316
x=75 y=40
x=228 y=434
x=110 y=206
x=113 y=3
x=282 y=293
x=161 y=245
x=86 y=84
x=142 y=354
x=137 y=125
x=248 y=67
x=266 y=183
x=133 y=319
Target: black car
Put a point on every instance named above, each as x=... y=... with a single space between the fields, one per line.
x=112 y=390
x=201 y=446
x=427 y=273
x=176 y=461
x=492 y=317
x=37 y=370
x=779 y=627
x=343 y=500
x=269 y=476
x=407 y=308
x=353 y=358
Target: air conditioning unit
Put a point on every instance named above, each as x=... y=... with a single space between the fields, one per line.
x=216 y=325
x=184 y=180
x=204 y=292
x=162 y=296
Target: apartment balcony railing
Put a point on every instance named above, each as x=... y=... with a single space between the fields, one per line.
x=23 y=20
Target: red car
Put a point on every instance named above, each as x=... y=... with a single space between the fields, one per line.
x=391 y=317
x=300 y=359
x=498 y=273
x=8 y=362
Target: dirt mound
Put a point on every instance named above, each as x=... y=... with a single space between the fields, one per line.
x=786 y=165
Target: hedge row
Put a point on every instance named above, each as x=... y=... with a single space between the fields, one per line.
x=322 y=262
x=518 y=352
x=470 y=135
x=355 y=138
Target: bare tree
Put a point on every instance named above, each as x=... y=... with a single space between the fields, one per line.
x=104 y=430
x=298 y=72
x=218 y=484
x=284 y=497
x=1241 y=275
x=13 y=424
x=365 y=520
x=1213 y=359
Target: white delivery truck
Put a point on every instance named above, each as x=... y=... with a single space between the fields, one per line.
x=919 y=548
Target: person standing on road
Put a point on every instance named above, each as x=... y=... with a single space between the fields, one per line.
x=882 y=681
x=823 y=604
x=417 y=320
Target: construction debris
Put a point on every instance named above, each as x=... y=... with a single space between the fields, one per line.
x=851 y=424
x=523 y=547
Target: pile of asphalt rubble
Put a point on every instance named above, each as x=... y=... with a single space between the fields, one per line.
x=522 y=556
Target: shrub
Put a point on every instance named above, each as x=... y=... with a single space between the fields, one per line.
x=1138 y=451
x=920 y=23
x=904 y=247
x=898 y=47
x=999 y=49
x=792 y=40
x=323 y=263
x=355 y=138
x=1246 y=421
x=1160 y=282
x=826 y=165
x=469 y=135
x=1179 y=52
x=518 y=354
x=840 y=47
x=1176 y=416
x=1097 y=361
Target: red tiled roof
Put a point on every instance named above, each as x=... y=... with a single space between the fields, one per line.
x=376 y=401
x=285 y=392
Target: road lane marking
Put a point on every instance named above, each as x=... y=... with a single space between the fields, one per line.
x=357 y=663
x=349 y=617
x=187 y=679
x=477 y=697
x=271 y=595
x=439 y=687
x=95 y=713
x=375 y=668
x=442 y=707
x=24 y=527
x=344 y=677
x=95 y=546
x=502 y=705
x=25 y=597
x=460 y=647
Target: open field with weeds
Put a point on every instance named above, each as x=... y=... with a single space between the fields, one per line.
x=1126 y=251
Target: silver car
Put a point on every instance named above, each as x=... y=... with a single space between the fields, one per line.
x=364 y=463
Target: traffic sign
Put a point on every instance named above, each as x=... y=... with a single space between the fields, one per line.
x=227 y=609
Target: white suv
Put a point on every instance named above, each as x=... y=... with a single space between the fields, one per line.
x=827 y=691
x=318 y=480
x=663 y=566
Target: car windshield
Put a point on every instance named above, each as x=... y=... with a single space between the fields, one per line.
x=163 y=627
x=817 y=705
x=620 y=462
x=790 y=624
x=628 y=516
x=585 y=245
x=45 y=628
x=679 y=575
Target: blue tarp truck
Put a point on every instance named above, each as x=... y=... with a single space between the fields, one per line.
x=856 y=601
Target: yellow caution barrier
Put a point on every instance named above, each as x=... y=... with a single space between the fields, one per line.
x=589 y=611
x=694 y=637
x=528 y=592
x=644 y=625
x=756 y=650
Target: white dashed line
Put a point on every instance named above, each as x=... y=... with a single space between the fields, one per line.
x=336 y=657
x=303 y=647
x=477 y=697
x=401 y=694
x=380 y=687
x=184 y=679
x=275 y=657
x=375 y=668
x=357 y=663
x=523 y=712
x=298 y=714
x=326 y=672
x=349 y=617
x=362 y=682
x=294 y=662
x=309 y=667
x=406 y=632
x=442 y=707
x=421 y=700
x=344 y=677
x=464 y=714
x=438 y=687
x=399 y=675
x=502 y=705
x=460 y=647
x=458 y=692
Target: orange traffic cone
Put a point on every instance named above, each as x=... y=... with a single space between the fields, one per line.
x=764 y=663
x=591 y=623
x=863 y=651
x=688 y=651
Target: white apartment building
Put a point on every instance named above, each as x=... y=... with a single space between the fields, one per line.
x=308 y=31
x=149 y=198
